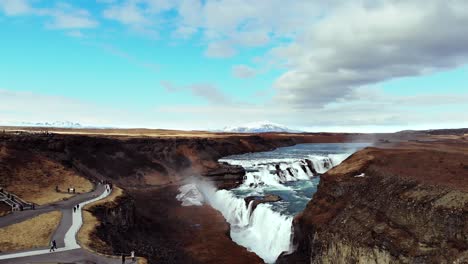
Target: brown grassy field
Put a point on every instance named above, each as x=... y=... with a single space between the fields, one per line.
x=134 y=132
x=32 y=233
x=34 y=177
x=146 y=132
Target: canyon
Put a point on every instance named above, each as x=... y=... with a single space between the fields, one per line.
x=410 y=205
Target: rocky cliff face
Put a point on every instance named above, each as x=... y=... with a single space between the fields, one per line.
x=146 y=161
x=410 y=205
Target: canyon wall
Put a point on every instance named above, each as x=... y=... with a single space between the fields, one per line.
x=405 y=204
x=144 y=161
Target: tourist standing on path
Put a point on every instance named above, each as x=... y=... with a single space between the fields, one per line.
x=132 y=254
x=123 y=258
x=74 y=209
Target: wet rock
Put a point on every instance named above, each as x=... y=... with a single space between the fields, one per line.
x=311 y=166
x=281 y=174
x=268 y=198
x=226 y=176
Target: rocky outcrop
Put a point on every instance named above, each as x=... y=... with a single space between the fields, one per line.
x=268 y=198
x=226 y=176
x=311 y=166
x=408 y=205
x=120 y=214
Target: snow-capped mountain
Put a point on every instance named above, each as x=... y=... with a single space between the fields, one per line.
x=259 y=127
x=62 y=124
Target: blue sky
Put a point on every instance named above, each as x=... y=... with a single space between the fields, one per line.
x=190 y=64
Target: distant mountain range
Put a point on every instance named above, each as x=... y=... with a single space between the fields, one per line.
x=62 y=124
x=255 y=127
x=259 y=127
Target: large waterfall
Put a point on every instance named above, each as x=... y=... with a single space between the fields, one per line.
x=288 y=173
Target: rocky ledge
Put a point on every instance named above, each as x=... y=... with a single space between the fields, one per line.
x=404 y=204
x=268 y=198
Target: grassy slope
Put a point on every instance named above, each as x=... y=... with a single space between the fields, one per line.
x=34 y=177
x=32 y=233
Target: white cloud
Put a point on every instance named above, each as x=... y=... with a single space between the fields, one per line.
x=148 y=65
x=106 y=1
x=357 y=45
x=61 y=16
x=15 y=7
x=208 y=92
x=243 y=72
x=220 y=49
x=226 y=24
x=65 y=16
x=128 y=13
x=365 y=110
x=34 y=107
x=185 y=32
x=75 y=34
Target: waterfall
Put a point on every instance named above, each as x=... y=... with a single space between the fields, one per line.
x=275 y=172
x=263 y=231
x=267 y=229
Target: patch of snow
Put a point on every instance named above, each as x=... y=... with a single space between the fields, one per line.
x=259 y=127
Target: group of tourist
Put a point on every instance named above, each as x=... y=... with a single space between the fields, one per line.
x=132 y=256
x=69 y=189
x=76 y=208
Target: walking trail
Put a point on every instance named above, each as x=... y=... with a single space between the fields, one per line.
x=65 y=235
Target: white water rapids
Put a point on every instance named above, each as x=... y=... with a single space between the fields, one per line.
x=267 y=230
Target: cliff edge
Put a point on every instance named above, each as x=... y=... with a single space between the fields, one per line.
x=406 y=203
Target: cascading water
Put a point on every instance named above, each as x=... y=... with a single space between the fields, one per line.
x=287 y=172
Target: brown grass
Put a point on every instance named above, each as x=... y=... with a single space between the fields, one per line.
x=34 y=177
x=147 y=132
x=354 y=164
x=32 y=233
x=133 y=132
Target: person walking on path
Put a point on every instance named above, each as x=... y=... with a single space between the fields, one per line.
x=53 y=246
x=74 y=209
x=123 y=258
x=132 y=254
x=77 y=206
